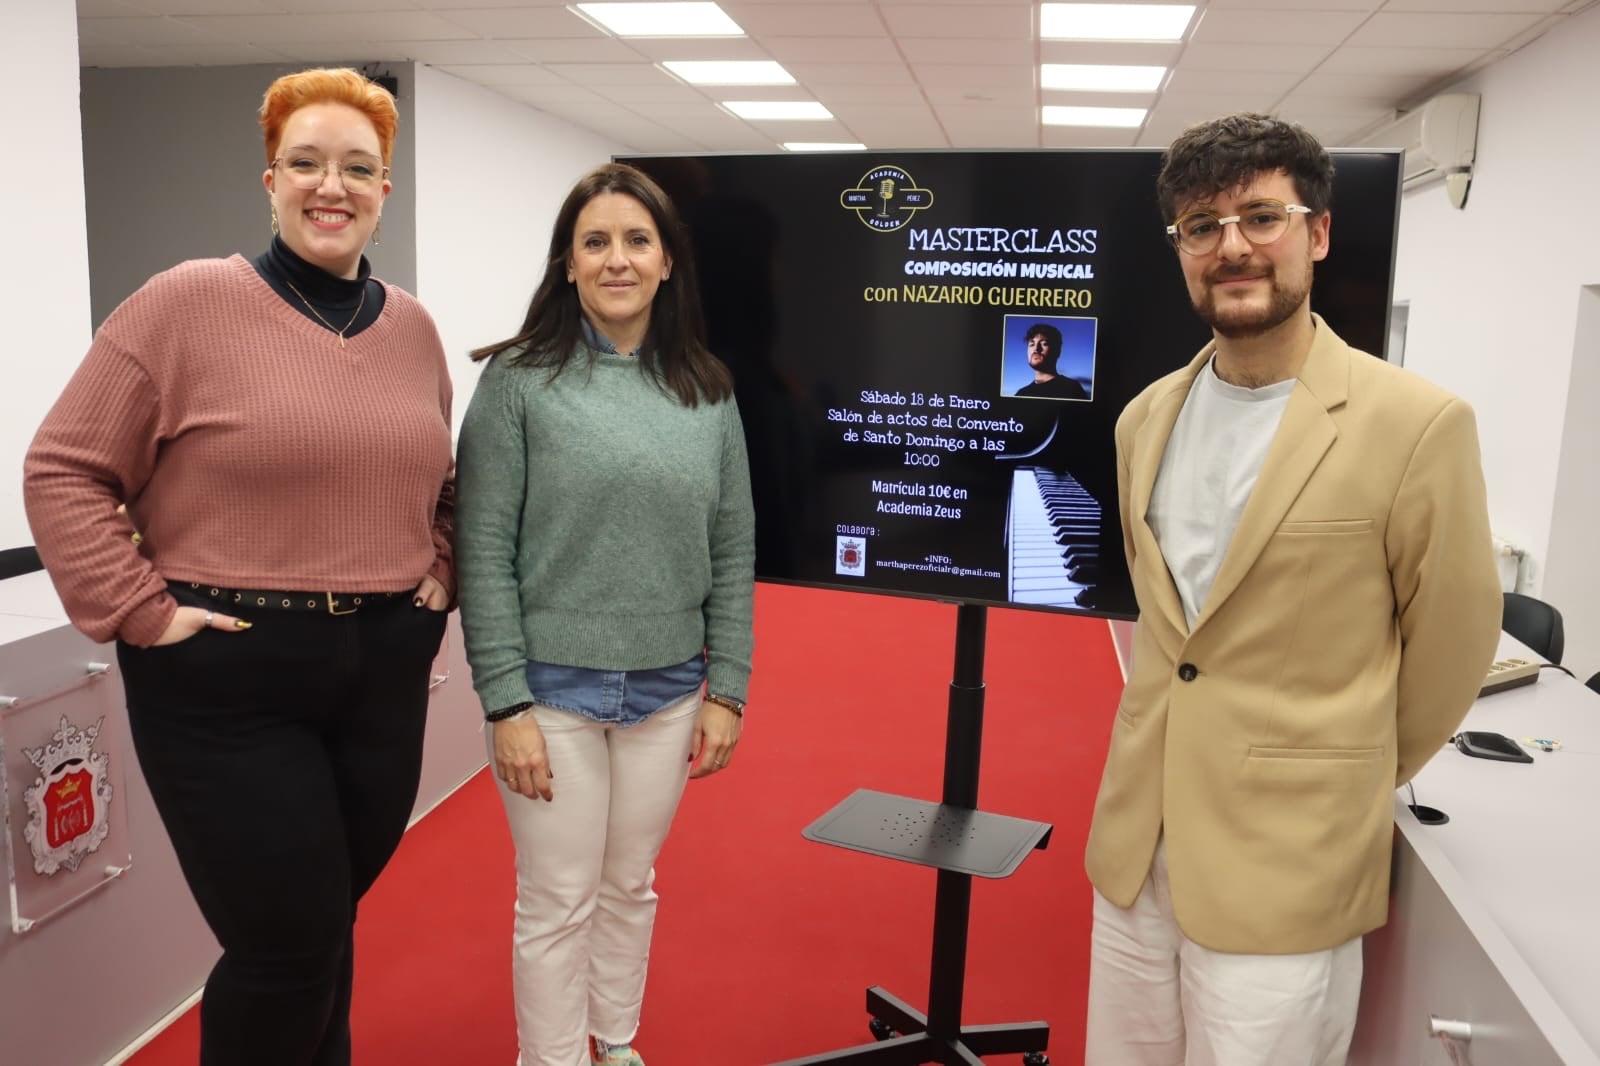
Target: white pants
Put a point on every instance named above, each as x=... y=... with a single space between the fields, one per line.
x=586 y=902
x=1156 y=998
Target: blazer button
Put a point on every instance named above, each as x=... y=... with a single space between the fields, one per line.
x=1188 y=671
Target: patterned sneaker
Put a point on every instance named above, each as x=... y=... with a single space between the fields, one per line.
x=603 y=1054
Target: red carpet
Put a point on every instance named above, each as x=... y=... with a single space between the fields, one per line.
x=765 y=941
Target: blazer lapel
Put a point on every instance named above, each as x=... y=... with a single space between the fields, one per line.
x=1149 y=445
x=1303 y=438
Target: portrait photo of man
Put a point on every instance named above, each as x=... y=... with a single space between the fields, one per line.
x=1048 y=358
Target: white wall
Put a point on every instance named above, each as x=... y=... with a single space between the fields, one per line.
x=491 y=174
x=1572 y=576
x=44 y=278
x=1494 y=291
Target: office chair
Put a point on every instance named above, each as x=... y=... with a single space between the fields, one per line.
x=17 y=561
x=1536 y=624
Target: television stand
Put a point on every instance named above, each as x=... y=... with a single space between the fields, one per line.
x=960 y=842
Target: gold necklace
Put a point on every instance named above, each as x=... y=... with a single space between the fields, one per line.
x=359 y=305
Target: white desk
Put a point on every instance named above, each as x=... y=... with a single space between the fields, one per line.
x=1496 y=916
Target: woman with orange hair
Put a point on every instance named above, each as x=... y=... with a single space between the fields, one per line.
x=279 y=430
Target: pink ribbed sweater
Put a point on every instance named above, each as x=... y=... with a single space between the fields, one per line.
x=252 y=451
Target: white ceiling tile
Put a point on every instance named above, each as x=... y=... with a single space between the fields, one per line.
x=111 y=8
x=1391 y=88
x=505 y=74
x=1441 y=31
x=991 y=98
x=787 y=50
x=613 y=74
x=1274 y=83
x=113 y=55
x=851 y=113
x=1296 y=59
x=330 y=53
x=1080 y=137
x=802 y=131
x=342 y=7
x=1475 y=6
x=1200 y=107
x=961 y=21
x=329 y=31
x=443 y=5
x=553 y=22
x=920 y=131
x=663 y=48
x=210 y=54
x=961 y=120
x=867 y=94
x=678 y=110
x=817 y=74
x=444 y=53
x=806 y=20
x=209 y=7
x=1257 y=27
x=1004 y=76
x=995 y=136
x=540 y=95
x=1056 y=97
x=1309 y=109
x=757 y=92
x=715 y=128
x=1297 y=5
x=636 y=93
x=954 y=51
x=1357 y=59
x=881 y=66
x=1121 y=53
x=575 y=50
x=143 y=30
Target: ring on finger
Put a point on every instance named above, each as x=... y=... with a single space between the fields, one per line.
x=210 y=617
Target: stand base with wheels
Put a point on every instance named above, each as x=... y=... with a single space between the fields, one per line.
x=961 y=842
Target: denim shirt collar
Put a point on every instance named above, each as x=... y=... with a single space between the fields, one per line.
x=595 y=340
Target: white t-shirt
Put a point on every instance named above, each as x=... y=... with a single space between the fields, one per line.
x=1207 y=472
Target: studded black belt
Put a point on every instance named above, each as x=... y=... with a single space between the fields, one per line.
x=320 y=602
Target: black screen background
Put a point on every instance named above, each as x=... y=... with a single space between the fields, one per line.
x=782 y=266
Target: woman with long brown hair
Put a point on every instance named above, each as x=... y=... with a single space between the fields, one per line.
x=606 y=545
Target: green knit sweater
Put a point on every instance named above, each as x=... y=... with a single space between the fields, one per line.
x=600 y=523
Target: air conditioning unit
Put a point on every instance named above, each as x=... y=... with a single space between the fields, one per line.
x=1440 y=140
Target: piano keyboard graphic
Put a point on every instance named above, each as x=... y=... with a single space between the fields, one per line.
x=1053 y=538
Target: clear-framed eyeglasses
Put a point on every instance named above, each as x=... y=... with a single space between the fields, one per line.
x=1261 y=222
x=307 y=170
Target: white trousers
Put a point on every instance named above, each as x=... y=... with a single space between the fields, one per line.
x=586 y=901
x=1156 y=998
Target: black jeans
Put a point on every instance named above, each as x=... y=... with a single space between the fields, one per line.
x=283 y=760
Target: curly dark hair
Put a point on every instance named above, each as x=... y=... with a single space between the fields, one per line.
x=674 y=351
x=1226 y=153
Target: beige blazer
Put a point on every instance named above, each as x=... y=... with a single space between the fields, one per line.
x=1347 y=633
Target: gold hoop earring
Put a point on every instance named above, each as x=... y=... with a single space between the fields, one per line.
x=377 y=230
x=274 y=221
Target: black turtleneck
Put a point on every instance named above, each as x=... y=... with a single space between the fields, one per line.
x=335 y=298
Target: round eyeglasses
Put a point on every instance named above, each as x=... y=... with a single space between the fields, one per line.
x=360 y=174
x=1261 y=222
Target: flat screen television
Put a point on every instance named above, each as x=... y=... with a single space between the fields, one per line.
x=876 y=310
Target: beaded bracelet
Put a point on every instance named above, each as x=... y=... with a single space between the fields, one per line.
x=506 y=712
